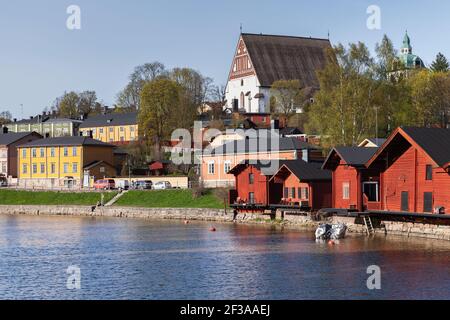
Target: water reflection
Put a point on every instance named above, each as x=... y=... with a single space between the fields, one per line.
x=136 y=259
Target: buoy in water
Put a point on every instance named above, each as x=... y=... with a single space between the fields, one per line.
x=212 y=229
x=186 y=221
x=331 y=243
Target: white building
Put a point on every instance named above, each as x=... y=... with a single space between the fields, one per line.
x=260 y=60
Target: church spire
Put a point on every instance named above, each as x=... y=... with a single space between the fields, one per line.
x=407 y=48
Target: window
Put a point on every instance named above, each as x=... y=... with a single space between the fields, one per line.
x=53 y=168
x=286 y=193
x=242 y=82
x=74 y=167
x=4 y=167
x=33 y=152
x=66 y=168
x=24 y=153
x=428 y=202
x=211 y=168
x=405 y=201
x=42 y=167
x=66 y=151
x=242 y=100
x=74 y=151
x=429 y=173
x=371 y=191
x=52 y=152
x=111 y=129
x=42 y=152
x=131 y=129
x=304 y=193
x=100 y=130
x=346 y=191
x=24 y=168
x=251 y=178
x=293 y=193
x=227 y=166
x=251 y=198
x=122 y=129
x=34 y=168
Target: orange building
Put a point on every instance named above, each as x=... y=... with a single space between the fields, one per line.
x=216 y=164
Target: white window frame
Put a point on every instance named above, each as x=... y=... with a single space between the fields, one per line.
x=211 y=167
x=226 y=164
x=346 y=190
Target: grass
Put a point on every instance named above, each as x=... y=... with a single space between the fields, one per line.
x=170 y=199
x=15 y=197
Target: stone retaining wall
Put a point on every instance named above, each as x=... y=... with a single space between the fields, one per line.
x=354 y=225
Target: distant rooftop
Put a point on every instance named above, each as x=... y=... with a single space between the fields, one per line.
x=110 y=119
x=67 y=141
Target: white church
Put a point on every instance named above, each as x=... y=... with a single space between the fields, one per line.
x=260 y=60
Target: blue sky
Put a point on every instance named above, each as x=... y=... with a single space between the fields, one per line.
x=40 y=58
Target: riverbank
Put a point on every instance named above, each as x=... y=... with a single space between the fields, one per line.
x=227 y=216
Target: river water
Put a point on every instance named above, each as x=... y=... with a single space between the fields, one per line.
x=138 y=259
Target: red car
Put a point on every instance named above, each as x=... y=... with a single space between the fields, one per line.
x=105 y=184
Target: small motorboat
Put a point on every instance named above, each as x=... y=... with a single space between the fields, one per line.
x=333 y=232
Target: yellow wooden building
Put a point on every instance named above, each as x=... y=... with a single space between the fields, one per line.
x=115 y=128
x=64 y=162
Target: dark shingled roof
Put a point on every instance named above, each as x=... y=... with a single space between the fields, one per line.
x=267 y=168
x=67 y=141
x=307 y=171
x=434 y=141
x=285 y=58
x=110 y=119
x=255 y=145
x=8 y=138
x=353 y=156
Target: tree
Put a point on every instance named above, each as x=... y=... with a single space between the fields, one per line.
x=87 y=102
x=287 y=97
x=5 y=117
x=440 y=64
x=129 y=98
x=386 y=55
x=343 y=112
x=159 y=100
x=67 y=105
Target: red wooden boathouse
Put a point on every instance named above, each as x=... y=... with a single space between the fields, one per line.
x=253 y=186
x=415 y=170
x=354 y=186
x=305 y=184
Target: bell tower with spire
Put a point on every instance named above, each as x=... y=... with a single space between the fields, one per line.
x=406 y=48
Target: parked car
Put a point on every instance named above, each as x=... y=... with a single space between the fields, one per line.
x=3 y=182
x=123 y=185
x=105 y=184
x=162 y=185
x=143 y=185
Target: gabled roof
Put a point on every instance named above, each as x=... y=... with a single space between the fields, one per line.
x=306 y=171
x=255 y=145
x=267 y=168
x=96 y=163
x=435 y=142
x=277 y=57
x=290 y=131
x=374 y=141
x=110 y=119
x=9 y=138
x=353 y=156
x=67 y=141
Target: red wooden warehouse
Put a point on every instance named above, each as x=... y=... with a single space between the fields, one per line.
x=253 y=186
x=414 y=170
x=354 y=186
x=305 y=184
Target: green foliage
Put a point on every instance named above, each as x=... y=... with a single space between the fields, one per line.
x=159 y=100
x=13 y=197
x=440 y=64
x=357 y=93
x=286 y=97
x=73 y=104
x=170 y=199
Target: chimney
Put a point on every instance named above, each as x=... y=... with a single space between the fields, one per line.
x=15 y=119
x=31 y=117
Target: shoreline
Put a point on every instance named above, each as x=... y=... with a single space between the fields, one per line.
x=405 y=229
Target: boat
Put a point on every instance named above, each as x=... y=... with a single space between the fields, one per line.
x=333 y=232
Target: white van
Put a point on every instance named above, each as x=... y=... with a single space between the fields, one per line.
x=123 y=185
